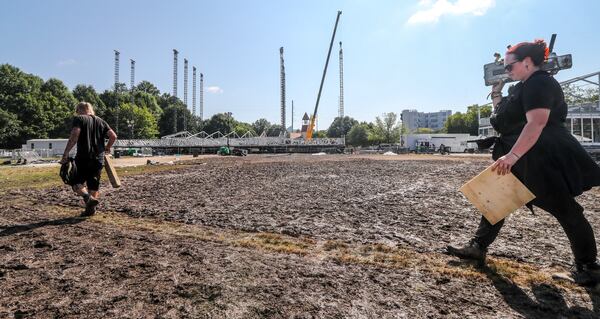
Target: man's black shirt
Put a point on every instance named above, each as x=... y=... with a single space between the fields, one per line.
x=91 y=138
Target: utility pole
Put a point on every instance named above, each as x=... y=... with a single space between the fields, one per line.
x=282 y=89
x=292 y=116
x=117 y=54
x=341 y=110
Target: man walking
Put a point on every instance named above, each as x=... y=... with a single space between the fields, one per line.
x=89 y=133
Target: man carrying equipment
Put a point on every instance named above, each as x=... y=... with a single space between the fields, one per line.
x=89 y=133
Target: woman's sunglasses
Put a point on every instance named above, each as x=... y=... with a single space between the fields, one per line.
x=509 y=66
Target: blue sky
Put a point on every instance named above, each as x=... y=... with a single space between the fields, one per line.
x=425 y=55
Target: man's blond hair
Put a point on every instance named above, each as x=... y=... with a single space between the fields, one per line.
x=84 y=108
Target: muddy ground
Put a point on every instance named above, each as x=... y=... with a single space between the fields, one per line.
x=283 y=236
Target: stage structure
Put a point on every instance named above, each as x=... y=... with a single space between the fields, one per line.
x=185 y=142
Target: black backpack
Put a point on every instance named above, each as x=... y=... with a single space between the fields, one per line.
x=68 y=171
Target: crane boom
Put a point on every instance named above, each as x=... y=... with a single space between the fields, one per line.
x=311 y=126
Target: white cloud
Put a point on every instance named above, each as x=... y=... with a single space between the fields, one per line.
x=432 y=12
x=67 y=62
x=214 y=90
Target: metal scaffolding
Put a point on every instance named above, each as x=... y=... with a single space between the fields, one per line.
x=201 y=96
x=132 y=79
x=341 y=109
x=583 y=120
x=217 y=139
x=194 y=90
x=585 y=78
x=175 y=52
x=185 y=82
x=117 y=54
x=282 y=89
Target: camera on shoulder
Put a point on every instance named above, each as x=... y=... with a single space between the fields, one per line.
x=495 y=72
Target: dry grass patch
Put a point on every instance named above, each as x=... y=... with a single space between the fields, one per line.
x=275 y=242
x=379 y=255
x=46 y=177
x=524 y=274
x=334 y=245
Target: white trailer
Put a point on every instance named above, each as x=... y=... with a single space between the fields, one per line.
x=457 y=143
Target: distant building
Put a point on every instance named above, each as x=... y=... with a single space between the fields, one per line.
x=305 y=124
x=51 y=147
x=413 y=120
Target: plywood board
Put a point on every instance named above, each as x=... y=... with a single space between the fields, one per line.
x=496 y=196
x=111 y=172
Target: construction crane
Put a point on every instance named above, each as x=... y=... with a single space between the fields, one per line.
x=311 y=126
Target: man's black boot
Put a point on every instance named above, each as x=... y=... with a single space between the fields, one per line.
x=472 y=250
x=90 y=207
x=587 y=274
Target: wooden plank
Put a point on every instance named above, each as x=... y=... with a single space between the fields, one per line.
x=111 y=172
x=496 y=196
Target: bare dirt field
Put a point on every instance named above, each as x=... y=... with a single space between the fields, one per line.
x=282 y=236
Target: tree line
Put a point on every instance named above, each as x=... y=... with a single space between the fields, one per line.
x=33 y=108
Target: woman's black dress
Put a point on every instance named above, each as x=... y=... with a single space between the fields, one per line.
x=557 y=164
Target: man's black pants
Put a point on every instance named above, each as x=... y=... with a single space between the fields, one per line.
x=570 y=216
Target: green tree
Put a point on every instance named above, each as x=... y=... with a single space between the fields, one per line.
x=222 y=122
x=242 y=128
x=358 y=135
x=467 y=123
x=575 y=95
x=386 y=129
x=261 y=125
x=147 y=101
x=9 y=129
x=165 y=100
x=87 y=93
x=42 y=109
x=147 y=87
x=341 y=126
x=176 y=118
x=274 y=130
x=59 y=106
x=318 y=134
x=136 y=122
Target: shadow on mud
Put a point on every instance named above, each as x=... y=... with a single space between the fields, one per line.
x=548 y=301
x=11 y=230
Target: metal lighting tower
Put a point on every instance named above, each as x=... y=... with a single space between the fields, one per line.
x=117 y=53
x=193 y=90
x=282 y=88
x=132 y=80
x=201 y=96
x=292 y=116
x=341 y=110
x=185 y=81
x=175 y=52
